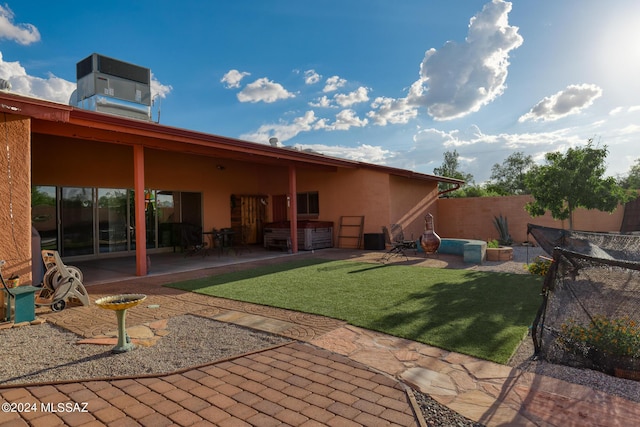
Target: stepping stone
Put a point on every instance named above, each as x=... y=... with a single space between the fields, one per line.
x=430 y=382
x=140 y=332
x=253 y=321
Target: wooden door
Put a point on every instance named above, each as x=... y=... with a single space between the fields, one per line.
x=248 y=214
x=279 y=207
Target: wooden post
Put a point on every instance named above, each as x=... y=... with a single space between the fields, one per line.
x=141 y=227
x=293 y=208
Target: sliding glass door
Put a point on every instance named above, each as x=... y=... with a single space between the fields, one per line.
x=168 y=213
x=113 y=230
x=86 y=221
x=44 y=215
x=77 y=219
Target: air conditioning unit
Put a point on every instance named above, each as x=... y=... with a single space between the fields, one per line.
x=111 y=86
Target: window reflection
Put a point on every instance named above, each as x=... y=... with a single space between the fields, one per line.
x=44 y=215
x=112 y=220
x=77 y=220
x=80 y=221
x=167 y=216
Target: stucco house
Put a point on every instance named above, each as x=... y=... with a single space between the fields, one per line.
x=95 y=184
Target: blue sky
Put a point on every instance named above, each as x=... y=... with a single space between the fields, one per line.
x=389 y=82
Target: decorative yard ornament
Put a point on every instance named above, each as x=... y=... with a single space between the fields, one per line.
x=429 y=241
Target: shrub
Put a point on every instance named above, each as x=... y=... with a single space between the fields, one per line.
x=493 y=244
x=502 y=225
x=540 y=266
x=610 y=337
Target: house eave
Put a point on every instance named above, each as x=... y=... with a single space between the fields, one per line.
x=50 y=118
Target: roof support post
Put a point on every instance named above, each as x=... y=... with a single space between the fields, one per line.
x=293 y=208
x=141 y=229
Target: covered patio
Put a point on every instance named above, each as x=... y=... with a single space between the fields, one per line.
x=116 y=269
x=131 y=181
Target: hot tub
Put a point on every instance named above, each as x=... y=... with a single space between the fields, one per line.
x=311 y=235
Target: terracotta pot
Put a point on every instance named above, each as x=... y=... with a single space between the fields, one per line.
x=429 y=241
x=627 y=374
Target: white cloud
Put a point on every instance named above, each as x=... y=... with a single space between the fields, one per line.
x=24 y=34
x=264 y=90
x=460 y=78
x=311 y=77
x=355 y=97
x=347 y=119
x=624 y=110
x=392 y=111
x=569 y=101
x=54 y=88
x=361 y=153
x=232 y=78
x=322 y=102
x=631 y=129
x=283 y=131
x=158 y=89
x=479 y=151
x=334 y=83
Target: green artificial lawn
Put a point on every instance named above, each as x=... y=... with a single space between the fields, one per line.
x=482 y=314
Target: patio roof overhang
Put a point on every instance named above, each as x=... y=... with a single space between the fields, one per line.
x=50 y=118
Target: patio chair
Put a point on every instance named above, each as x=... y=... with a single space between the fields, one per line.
x=396 y=241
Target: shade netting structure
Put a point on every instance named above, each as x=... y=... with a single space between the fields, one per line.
x=590 y=313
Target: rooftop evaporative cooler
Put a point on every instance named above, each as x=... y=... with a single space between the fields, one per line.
x=112 y=86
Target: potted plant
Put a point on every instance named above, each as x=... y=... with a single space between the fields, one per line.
x=13 y=281
x=500 y=249
x=497 y=252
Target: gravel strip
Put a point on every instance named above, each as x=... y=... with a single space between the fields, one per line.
x=45 y=353
x=522 y=359
x=435 y=414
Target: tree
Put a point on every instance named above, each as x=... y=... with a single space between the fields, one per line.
x=475 y=190
x=632 y=180
x=508 y=178
x=449 y=169
x=41 y=198
x=573 y=180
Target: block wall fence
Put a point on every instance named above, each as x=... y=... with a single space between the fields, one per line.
x=472 y=218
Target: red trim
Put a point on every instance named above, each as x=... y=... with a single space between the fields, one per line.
x=33 y=107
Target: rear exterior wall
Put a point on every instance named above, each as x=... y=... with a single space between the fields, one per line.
x=15 y=197
x=381 y=198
